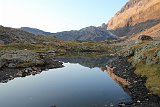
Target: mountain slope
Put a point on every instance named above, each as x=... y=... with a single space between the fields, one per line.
x=135 y=17
x=86 y=34
x=35 y=31
x=11 y=35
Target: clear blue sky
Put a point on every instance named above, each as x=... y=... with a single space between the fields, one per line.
x=57 y=15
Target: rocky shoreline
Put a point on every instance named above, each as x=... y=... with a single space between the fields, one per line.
x=24 y=63
x=21 y=64
x=141 y=96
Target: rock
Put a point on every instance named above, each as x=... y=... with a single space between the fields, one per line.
x=135 y=17
x=144 y=37
x=111 y=105
x=158 y=54
x=11 y=65
x=2 y=62
x=53 y=105
x=138 y=101
x=121 y=104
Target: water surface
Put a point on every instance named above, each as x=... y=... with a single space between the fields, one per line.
x=73 y=85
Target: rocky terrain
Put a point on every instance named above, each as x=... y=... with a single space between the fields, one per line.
x=11 y=35
x=147 y=52
x=135 y=18
x=145 y=57
x=21 y=63
x=141 y=96
x=23 y=53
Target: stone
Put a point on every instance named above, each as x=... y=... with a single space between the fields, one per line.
x=138 y=101
x=11 y=65
x=144 y=37
x=111 y=105
x=121 y=105
x=53 y=105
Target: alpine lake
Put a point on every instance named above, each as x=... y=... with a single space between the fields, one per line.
x=82 y=82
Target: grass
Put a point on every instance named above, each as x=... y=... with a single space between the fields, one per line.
x=60 y=46
x=85 y=55
x=26 y=46
x=152 y=72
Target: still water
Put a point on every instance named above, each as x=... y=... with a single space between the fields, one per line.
x=73 y=85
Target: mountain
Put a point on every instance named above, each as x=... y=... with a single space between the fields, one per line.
x=90 y=33
x=86 y=34
x=137 y=17
x=35 y=31
x=11 y=35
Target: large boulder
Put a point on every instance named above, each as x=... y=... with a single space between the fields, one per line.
x=144 y=37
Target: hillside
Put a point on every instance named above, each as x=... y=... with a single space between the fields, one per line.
x=90 y=33
x=35 y=31
x=135 y=18
x=11 y=35
x=86 y=34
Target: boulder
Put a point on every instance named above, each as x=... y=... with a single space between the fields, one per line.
x=144 y=37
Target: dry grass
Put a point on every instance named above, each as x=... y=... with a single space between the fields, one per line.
x=152 y=72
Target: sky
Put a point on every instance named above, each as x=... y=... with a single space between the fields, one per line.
x=57 y=15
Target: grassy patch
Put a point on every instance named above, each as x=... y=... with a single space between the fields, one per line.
x=61 y=46
x=26 y=46
x=152 y=72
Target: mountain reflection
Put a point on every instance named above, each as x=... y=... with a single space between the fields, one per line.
x=90 y=60
x=110 y=72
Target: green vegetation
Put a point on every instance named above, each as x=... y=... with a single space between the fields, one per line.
x=86 y=55
x=60 y=46
x=86 y=46
x=26 y=46
x=145 y=57
x=152 y=72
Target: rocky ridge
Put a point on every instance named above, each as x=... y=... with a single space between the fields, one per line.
x=11 y=35
x=136 y=17
x=86 y=34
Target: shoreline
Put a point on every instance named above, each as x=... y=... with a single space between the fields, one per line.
x=140 y=95
x=122 y=72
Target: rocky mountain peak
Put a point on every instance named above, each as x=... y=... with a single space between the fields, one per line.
x=135 y=17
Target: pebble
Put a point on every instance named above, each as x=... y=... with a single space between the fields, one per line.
x=121 y=105
x=138 y=101
x=111 y=105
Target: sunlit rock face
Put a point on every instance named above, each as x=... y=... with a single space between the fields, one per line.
x=135 y=17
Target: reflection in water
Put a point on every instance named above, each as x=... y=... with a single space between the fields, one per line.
x=71 y=86
x=87 y=60
x=118 y=79
x=7 y=74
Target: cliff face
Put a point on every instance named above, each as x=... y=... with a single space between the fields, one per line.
x=135 y=17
